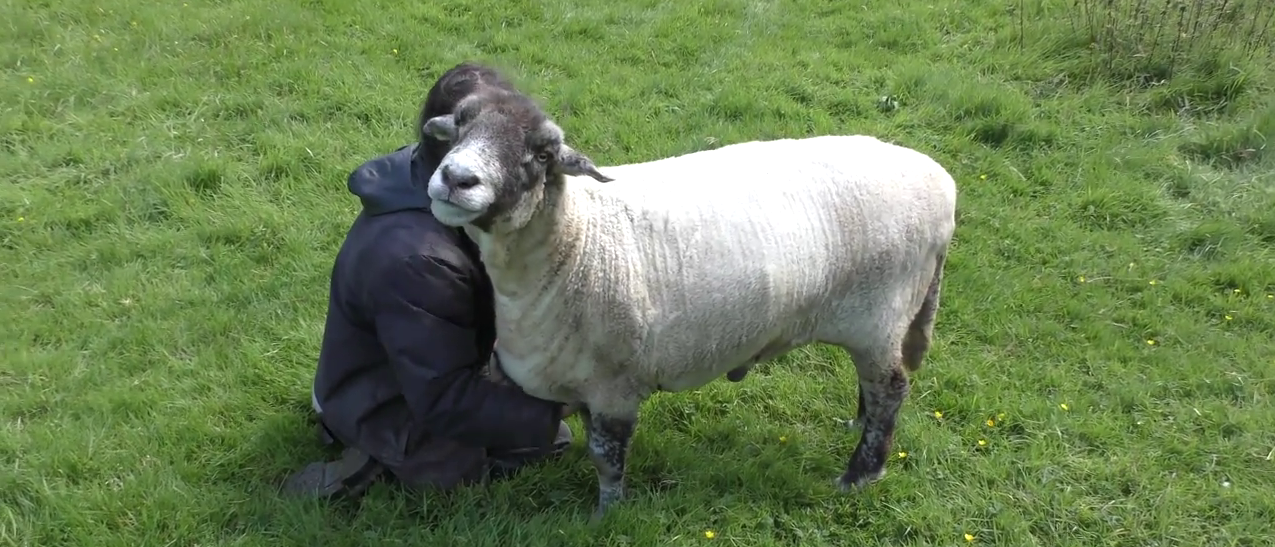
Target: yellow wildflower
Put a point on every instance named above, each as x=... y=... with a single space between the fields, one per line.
x=1236 y=291
x=982 y=442
x=395 y=50
x=1228 y=318
x=1081 y=279
x=1150 y=342
x=1000 y=417
x=938 y=414
x=903 y=455
x=1064 y=406
x=30 y=80
x=1152 y=282
x=969 y=537
x=710 y=534
x=991 y=423
x=783 y=439
x=982 y=177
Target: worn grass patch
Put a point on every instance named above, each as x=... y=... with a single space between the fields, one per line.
x=174 y=193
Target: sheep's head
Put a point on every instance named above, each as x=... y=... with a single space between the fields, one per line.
x=504 y=151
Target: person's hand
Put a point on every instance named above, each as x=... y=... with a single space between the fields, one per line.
x=570 y=409
x=495 y=373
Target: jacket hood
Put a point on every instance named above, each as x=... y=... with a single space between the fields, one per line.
x=393 y=182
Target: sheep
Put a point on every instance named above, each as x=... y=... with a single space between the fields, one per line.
x=666 y=274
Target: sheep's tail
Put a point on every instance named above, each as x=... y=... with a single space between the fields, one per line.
x=917 y=340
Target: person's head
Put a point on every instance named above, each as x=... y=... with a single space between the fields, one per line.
x=505 y=152
x=457 y=83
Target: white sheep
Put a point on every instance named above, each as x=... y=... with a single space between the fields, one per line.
x=683 y=269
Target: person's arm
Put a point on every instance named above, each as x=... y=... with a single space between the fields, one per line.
x=417 y=303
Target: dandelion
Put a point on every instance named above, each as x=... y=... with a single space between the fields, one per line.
x=969 y=537
x=395 y=50
x=710 y=534
x=783 y=439
x=938 y=414
x=1064 y=406
x=1150 y=342
x=982 y=177
x=1236 y=291
x=1153 y=282
x=903 y=455
x=991 y=423
x=22 y=219
x=1081 y=279
x=1228 y=318
x=982 y=442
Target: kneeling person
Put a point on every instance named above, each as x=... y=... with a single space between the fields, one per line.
x=410 y=331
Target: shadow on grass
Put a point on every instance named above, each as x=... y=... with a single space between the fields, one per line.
x=678 y=472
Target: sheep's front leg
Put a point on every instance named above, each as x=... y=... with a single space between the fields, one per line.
x=608 y=440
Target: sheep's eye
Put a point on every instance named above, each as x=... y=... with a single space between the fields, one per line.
x=542 y=157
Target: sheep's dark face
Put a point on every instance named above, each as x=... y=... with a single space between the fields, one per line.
x=504 y=149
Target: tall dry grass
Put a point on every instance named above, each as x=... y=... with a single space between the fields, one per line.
x=1152 y=39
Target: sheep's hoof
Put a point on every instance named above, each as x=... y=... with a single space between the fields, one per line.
x=846 y=484
x=737 y=374
x=608 y=496
x=597 y=516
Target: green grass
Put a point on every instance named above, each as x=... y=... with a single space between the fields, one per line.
x=174 y=193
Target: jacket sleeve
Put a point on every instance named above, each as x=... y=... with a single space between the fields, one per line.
x=417 y=304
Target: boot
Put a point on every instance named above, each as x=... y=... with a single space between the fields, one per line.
x=348 y=477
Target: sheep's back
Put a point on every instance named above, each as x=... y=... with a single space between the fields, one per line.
x=723 y=251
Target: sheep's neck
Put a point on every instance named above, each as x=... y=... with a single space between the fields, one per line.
x=529 y=258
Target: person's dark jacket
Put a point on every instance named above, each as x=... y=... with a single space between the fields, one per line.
x=410 y=328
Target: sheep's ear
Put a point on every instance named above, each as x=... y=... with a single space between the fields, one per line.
x=576 y=164
x=442 y=128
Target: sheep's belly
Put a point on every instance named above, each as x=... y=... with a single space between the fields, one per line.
x=690 y=379
x=699 y=370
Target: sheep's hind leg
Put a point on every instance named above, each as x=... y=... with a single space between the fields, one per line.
x=857 y=421
x=883 y=386
x=608 y=440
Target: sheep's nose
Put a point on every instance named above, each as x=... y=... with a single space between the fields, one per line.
x=454 y=177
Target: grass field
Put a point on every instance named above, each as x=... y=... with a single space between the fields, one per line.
x=174 y=193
